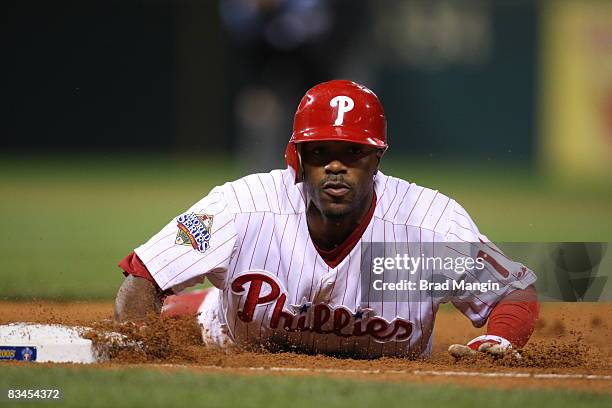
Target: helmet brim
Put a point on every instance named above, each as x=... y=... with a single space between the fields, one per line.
x=337 y=134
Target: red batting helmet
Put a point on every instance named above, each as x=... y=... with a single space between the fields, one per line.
x=337 y=110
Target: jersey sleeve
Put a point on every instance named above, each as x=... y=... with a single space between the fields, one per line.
x=196 y=244
x=493 y=276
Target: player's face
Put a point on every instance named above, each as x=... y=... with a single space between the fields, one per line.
x=339 y=176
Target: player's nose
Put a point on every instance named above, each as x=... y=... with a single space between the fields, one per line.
x=335 y=167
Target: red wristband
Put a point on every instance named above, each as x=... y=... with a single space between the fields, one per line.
x=514 y=317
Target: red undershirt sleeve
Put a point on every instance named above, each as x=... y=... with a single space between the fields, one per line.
x=132 y=265
x=514 y=317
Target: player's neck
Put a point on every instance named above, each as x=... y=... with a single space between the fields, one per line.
x=328 y=232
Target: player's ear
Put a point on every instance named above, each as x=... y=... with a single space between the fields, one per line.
x=300 y=168
x=293 y=160
x=379 y=155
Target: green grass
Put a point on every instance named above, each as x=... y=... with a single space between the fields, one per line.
x=65 y=222
x=140 y=387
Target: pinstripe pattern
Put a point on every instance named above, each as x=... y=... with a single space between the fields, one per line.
x=259 y=227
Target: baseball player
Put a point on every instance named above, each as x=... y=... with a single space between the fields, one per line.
x=284 y=251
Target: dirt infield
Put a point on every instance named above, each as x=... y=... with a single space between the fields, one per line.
x=571 y=348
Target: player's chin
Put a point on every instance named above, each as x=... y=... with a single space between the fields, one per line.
x=336 y=210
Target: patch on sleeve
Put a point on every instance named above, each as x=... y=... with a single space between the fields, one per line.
x=194 y=230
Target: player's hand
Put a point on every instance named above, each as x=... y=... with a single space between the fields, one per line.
x=495 y=346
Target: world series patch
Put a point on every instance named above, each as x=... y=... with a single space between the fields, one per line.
x=194 y=230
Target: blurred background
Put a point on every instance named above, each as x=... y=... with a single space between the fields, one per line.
x=117 y=115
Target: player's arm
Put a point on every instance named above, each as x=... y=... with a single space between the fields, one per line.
x=138 y=295
x=509 y=326
x=136 y=299
x=511 y=310
x=198 y=243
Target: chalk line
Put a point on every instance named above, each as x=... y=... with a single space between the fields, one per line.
x=438 y=373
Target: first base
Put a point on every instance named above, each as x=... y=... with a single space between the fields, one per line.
x=46 y=343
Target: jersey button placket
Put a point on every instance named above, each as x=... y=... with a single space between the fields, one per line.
x=326 y=285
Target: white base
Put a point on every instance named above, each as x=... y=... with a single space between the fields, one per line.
x=52 y=342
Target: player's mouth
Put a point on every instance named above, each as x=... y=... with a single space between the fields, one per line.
x=336 y=188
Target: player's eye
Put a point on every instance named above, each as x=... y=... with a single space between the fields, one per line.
x=355 y=150
x=317 y=151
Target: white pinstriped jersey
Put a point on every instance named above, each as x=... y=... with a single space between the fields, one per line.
x=250 y=239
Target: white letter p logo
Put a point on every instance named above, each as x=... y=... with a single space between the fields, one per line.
x=344 y=104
